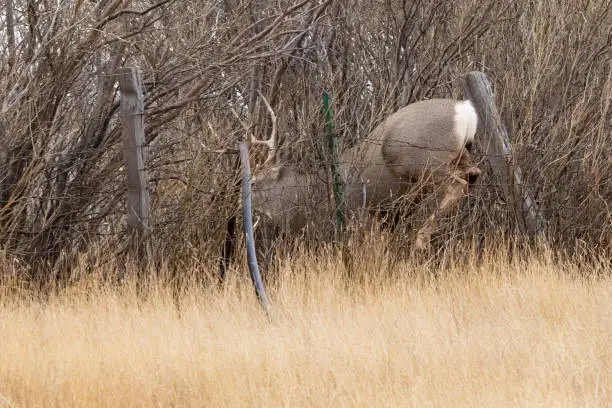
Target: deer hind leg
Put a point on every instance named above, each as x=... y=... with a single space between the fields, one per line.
x=447 y=199
x=464 y=168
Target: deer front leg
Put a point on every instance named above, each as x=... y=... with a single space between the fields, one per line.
x=451 y=195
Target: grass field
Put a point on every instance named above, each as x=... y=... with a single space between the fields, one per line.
x=529 y=333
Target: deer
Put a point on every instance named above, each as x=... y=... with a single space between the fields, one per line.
x=426 y=143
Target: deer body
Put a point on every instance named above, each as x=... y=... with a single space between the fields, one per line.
x=425 y=142
x=289 y=198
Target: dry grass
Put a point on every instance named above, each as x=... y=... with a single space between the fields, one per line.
x=533 y=333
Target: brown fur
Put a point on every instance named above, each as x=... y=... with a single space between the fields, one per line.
x=416 y=143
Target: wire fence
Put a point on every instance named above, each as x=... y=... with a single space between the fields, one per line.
x=43 y=224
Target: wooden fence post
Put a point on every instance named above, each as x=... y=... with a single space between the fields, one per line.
x=498 y=151
x=132 y=116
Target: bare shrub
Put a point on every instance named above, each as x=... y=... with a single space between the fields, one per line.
x=62 y=180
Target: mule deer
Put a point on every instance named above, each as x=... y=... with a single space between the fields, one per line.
x=425 y=142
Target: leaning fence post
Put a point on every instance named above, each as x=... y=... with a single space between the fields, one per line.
x=498 y=151
x=132 y=117
x=247 y=223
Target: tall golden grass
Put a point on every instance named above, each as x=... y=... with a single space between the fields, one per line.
x=533 y=332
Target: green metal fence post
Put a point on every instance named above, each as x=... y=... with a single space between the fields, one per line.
x=333 y=148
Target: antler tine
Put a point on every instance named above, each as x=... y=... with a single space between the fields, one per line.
x=271 y=142
x=244 y=125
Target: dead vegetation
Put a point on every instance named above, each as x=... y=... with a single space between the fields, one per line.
x=532 y=332
x=62 y=181
x=493 y=319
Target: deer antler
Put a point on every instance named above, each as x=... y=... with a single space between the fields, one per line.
x=271 y=141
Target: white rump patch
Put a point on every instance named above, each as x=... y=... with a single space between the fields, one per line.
x=466 y=121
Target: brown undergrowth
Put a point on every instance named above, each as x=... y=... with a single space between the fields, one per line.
x=532 y=331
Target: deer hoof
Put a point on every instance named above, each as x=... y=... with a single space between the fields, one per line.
x=473 y=174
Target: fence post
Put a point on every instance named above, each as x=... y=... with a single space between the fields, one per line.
x=134 y=155
x=498 y=151
x=247 y=226
x=333 y=149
